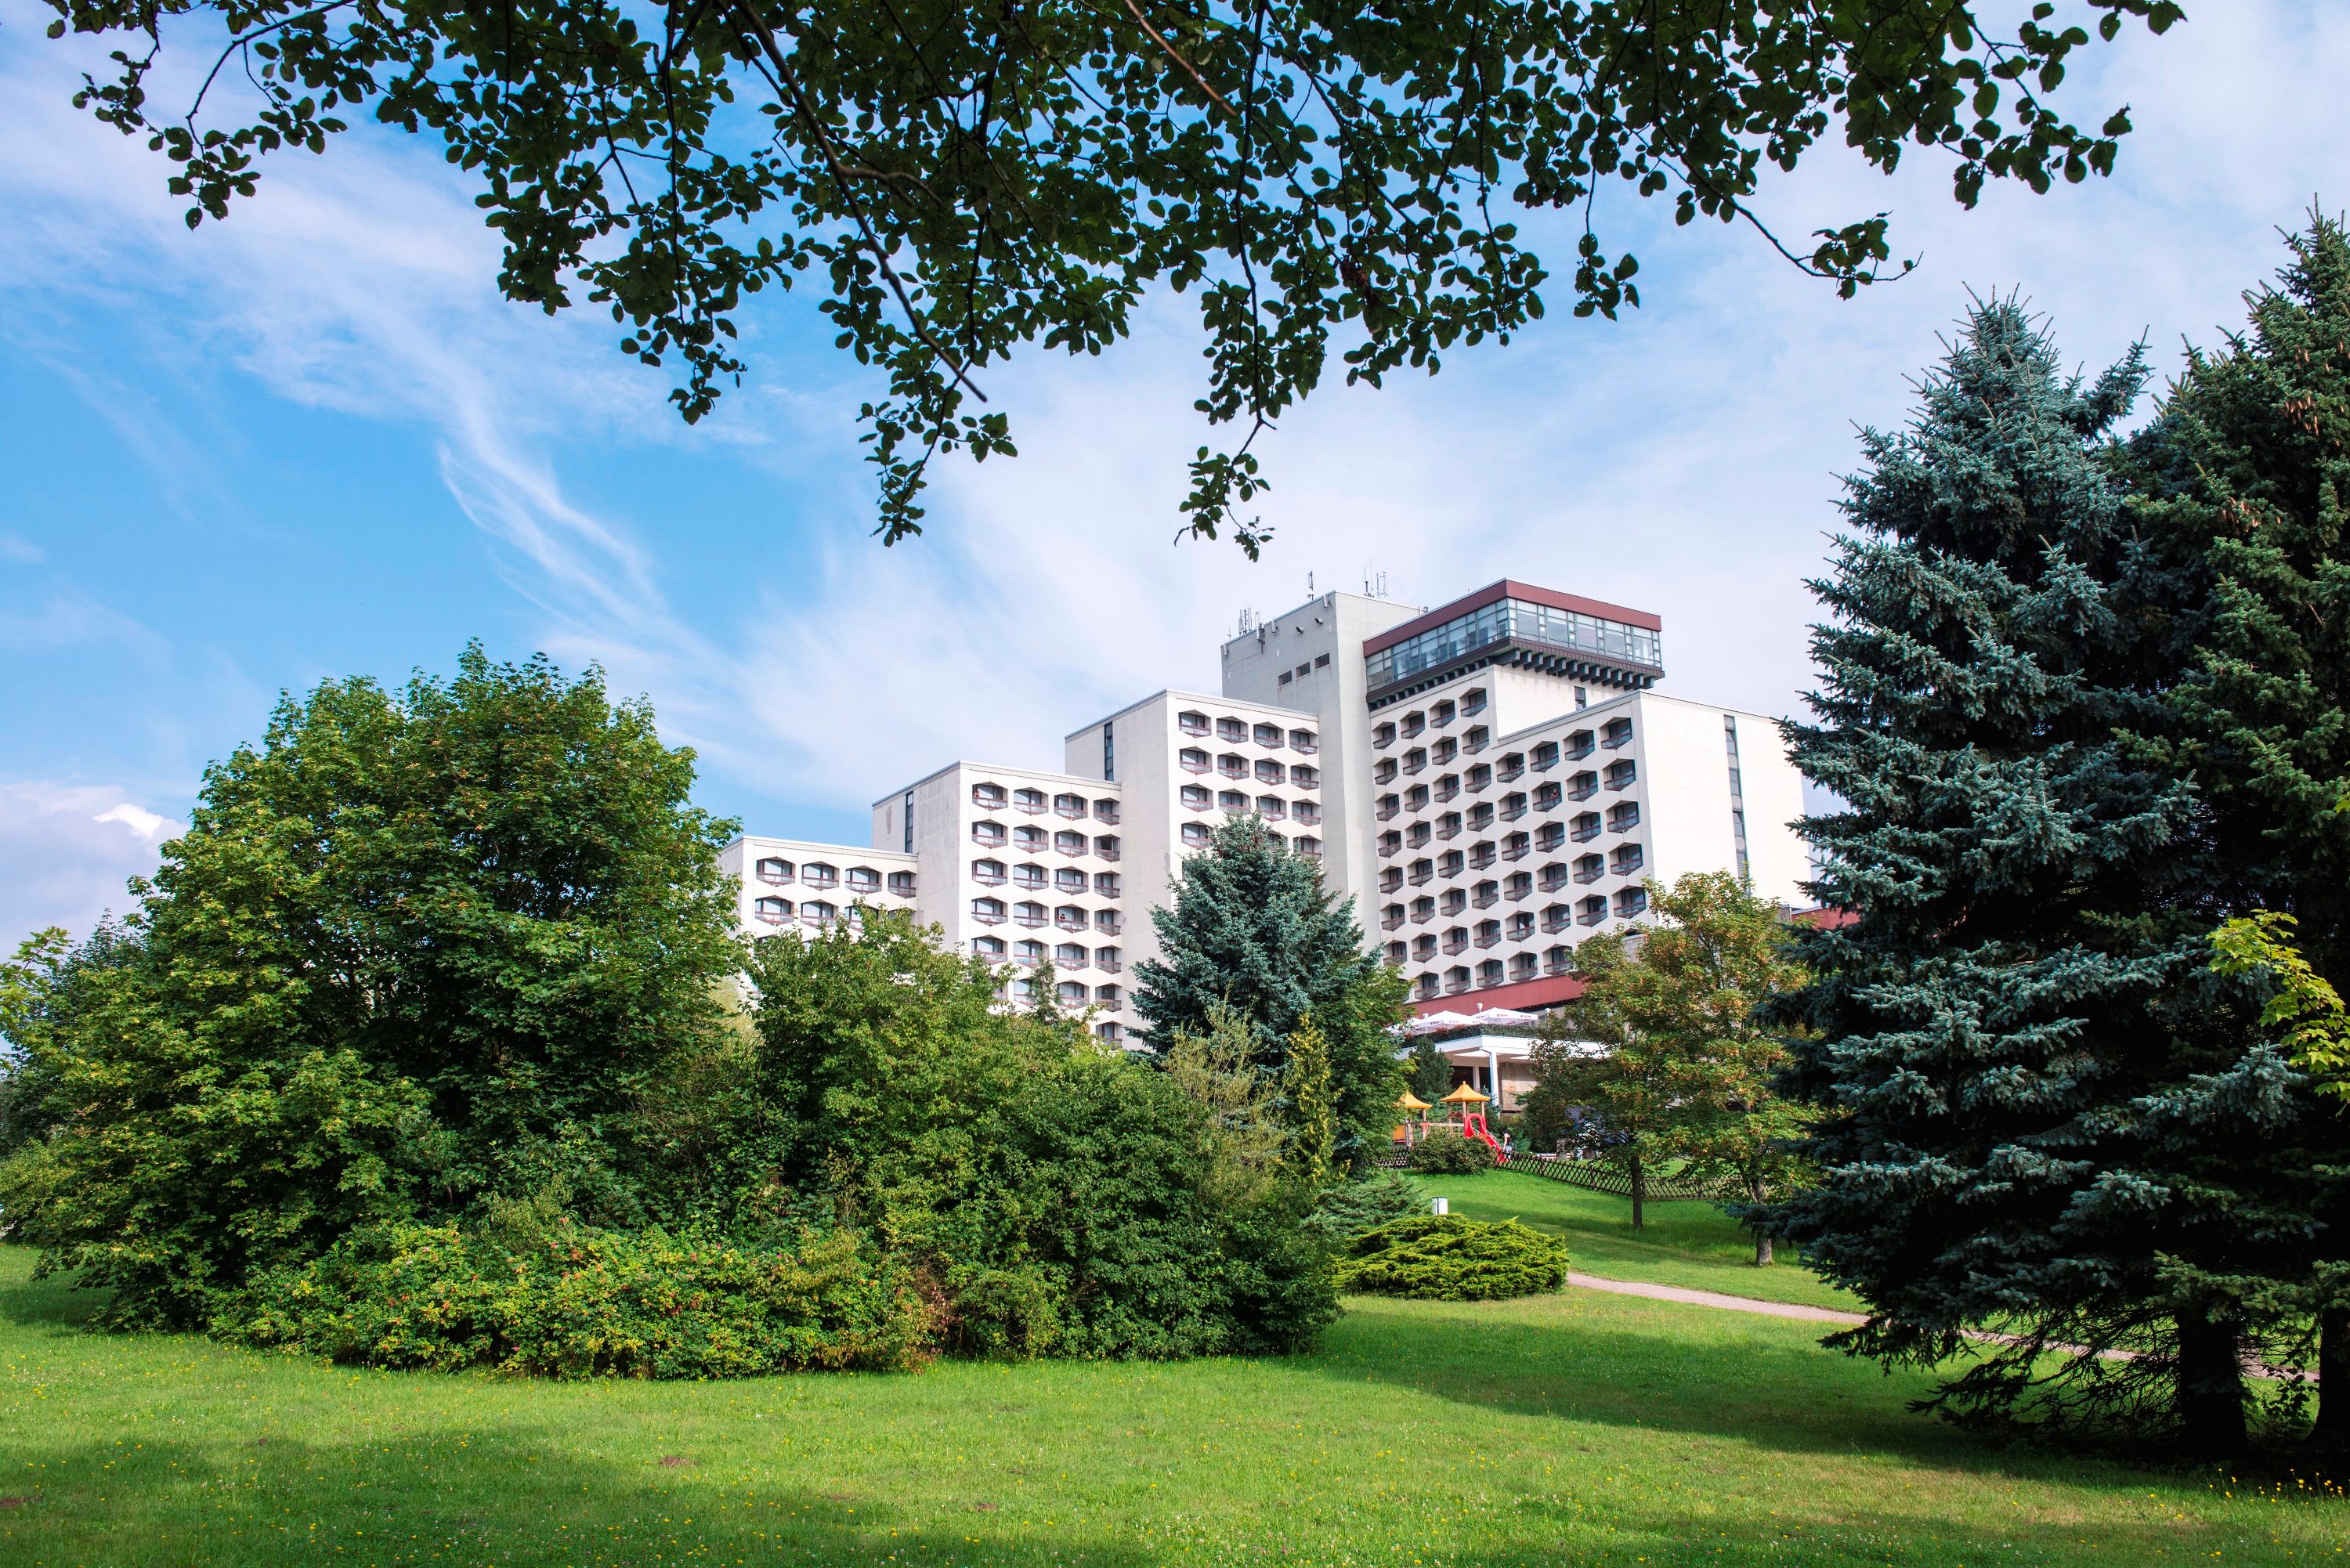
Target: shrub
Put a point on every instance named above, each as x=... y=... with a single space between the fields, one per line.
x=1347 y=1210
x=1442 y=1257
x=1449 y=1154
x=589 y=1304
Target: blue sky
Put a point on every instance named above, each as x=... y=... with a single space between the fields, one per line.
x=312 y=442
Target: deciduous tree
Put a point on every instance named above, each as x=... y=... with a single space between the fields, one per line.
x=959 y=180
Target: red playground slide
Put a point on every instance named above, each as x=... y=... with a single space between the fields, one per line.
x=1474 y=1124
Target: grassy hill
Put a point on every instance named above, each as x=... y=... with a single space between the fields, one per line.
x=1575 y=1430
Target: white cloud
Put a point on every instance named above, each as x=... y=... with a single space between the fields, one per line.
x=1682 y=459
x=65 y=852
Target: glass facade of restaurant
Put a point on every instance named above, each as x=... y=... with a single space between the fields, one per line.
x=1507 y=618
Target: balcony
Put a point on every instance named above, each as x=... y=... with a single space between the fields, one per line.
x=1416 y=763
x=1580 y=745
x=1456 y=985
x=1521 y=886
x=1489 y=938
x=1194 y=762
x=1108 y=922
x=1481 y=857
x=1071 y=807
x=1232 y=767
x=1582 y=786
x=1456 y=942
x=1070 y=920
x=1031 y=801
x=1109 y=965
x=1514 y=807
x=1387 y=812
x=1390 y=922
x=987 y=918
x=1617 y=734
x=1590 y=869
x=1106 y=811
x=1545 y=756
x=1421 y=874
x=1559 y=963
x=1030 y=920
x=1486 y=896
x=1556 y=919
x=1449 y=828
x=1476 y=740
x=1621 y=774
x=1517 y=849
x=1513 y=767
x=1115 y=1004
x=988 y=878
x=1447 y=787
x=1586 y=827
x=1303 y=741
x=1108 y=849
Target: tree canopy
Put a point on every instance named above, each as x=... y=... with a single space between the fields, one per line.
x=961 y=180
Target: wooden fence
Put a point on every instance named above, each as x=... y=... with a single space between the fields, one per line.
x=1599 y=1178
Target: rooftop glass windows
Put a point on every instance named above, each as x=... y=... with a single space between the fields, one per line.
x=1514 y=618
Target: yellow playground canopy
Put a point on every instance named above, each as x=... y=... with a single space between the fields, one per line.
x=1407 y=1101
x=1464 y=1095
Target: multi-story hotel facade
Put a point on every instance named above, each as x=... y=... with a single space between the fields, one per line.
x=1491 y=782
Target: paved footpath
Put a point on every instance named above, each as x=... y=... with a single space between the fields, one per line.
x=1713 y=1299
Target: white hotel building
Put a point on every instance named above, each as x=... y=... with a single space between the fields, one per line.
x=1491 y=782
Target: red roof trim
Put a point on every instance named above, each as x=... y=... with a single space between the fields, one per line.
x=1522 y=994
x=1508 y=589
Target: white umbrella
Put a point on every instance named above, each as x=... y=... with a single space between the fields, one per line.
x=1430 y=1022
x=1497 y=1017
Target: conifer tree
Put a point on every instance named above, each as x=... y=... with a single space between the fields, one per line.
x=2026 y=1113
x=1252 y=928
x=2246 y=482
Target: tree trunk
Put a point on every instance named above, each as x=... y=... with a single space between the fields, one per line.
x=2211 y=1385
x=1640 y=1190
x=2332 y=1432
x=1762 y=1237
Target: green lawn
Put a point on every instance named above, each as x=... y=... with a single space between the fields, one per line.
x=1565 y=1430
x=1686 y=1244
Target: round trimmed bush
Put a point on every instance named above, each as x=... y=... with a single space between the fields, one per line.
x=1442 y=1257
x=1449 y=1154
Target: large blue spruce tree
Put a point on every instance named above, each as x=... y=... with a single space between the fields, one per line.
x=2245 y=502
x=2028 y=1089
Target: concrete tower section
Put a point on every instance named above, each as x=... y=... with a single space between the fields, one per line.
x=1311 y=658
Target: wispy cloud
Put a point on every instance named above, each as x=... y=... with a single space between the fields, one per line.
x=67 y=850
x=1683 y=459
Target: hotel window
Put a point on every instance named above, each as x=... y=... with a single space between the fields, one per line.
x=1069 y=841
x=1630 y=901
x=1427 y=988
x=1304 y=671
x=1231 y=730
x=1580 y=744
x=1476 y=739
x=1396 y=954
x=1453 y=903
x=1070 y=805
x=1232 y=765
x=1558 y=960
x=1623 y=815
x=1284 y=678
x=1553 y=877
x=1390 y=842
x=1028 y=875
x=1481 y=816
x=1107 y=920
x=1028 y=952
x=1069 y=879
x=1106 y=846
x=1193 y=760
x=1303 y=741
x=1456 y=979
x=1543 y=756
x=987 y=796
x=1105 y=811
x=1626 y=859
x=1444 y=751
x=1522 y=967
x=1592 y=910
x=988 y=873
x=1108 y=1032
x=1417 y=834
x=1590 y=867
x=1069 y=917
x=1028 y=912
x=987 y=911
x=1308 y=812
x=1423 y=909
x=1416 y=799
x=816 y=874
x=775 y=873
x=1423 y=948
x=1550 y=835
x=1518 y=884
x=1452 y=863
x=1473 y=700
x=1270 y=771
x=1107 y=958
x=1616 y=733
x=988 y=948
x=1106 y=884
x=901 y=883
x=775 y=911
x=1268 y=734
x=1109 y=750
x=1621 y=773
x=1556 y=917
x=1192 y=722
x=1309 y=846
x=1490 y=972
x=1548 y=796
x=1383 y=735
x=1072 y=992
x=1385 y=772
x=1271 y=807
x=1195 y=835
x=864 y=879
x=1442 y=713
x=1304 y=775
x=1521 y=924
x=1069 y=955
x=909 y=822
x=1030 y=839
x=1582 y=785
x=1413 y=723
x=1031 y=800
x=1516 y=846
x=1232 y=800
x=1320 y=661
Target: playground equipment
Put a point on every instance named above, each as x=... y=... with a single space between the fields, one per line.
x=1465 y=1122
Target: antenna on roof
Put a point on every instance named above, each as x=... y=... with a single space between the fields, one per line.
x=1248 y=622
x=1309 y=585
x=1374 y=584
